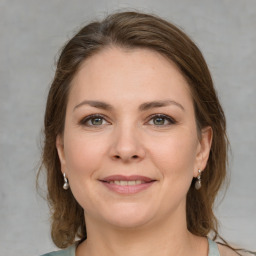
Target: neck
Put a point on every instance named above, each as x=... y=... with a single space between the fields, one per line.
x=167 y=239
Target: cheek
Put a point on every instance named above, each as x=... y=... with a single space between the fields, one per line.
x=175 y=155
x=175 y=159
x=83 y=158
x=82 y=154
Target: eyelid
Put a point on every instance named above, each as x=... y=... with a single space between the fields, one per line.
x=167 y=117
x=87 y=118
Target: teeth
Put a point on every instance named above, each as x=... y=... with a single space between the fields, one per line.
x=126 y=183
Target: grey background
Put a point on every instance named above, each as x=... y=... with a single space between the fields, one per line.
x=32 y=32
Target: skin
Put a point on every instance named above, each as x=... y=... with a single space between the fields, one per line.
x=131 y=140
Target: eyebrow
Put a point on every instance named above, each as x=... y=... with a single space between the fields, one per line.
x=143 y=107
x=159 y=104
x=95 y=104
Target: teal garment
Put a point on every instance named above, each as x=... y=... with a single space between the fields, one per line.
x=213 y=248
x=71 y=251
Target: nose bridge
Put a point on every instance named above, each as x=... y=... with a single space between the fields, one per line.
x=127 y=143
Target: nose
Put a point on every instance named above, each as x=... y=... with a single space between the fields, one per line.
x=127 y=145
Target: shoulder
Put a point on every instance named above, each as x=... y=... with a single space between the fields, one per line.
x=225 y=251
x=70 y=251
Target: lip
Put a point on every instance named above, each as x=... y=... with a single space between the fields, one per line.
x=126 y=178
x=127 y=189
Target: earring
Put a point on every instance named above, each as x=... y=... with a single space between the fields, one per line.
x=65 y=185
x=198 y=184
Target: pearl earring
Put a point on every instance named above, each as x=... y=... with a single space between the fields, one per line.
x=65 y=185
x=198 y=184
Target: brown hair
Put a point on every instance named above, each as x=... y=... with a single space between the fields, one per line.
x=134 y=30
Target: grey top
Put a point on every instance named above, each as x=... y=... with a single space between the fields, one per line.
x=71 y=251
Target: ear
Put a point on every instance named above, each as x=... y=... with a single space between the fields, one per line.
x=204 y=148
x=61 y=153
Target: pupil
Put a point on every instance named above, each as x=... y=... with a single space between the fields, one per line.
x=97 y=121
x=159 y=121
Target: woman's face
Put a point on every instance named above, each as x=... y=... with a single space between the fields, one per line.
x=130 y=146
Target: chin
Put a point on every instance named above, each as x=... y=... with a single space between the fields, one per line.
x=129 y=222
x=128 y=217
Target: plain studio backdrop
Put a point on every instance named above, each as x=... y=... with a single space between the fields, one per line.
x=31 y=34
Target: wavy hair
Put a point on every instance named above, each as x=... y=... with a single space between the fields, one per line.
x=130 y=30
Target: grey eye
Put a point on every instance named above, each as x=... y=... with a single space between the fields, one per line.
x=159 y=121
x=93 y=120
x=96 y=121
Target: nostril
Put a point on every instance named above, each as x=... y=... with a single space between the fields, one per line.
x=119 y=157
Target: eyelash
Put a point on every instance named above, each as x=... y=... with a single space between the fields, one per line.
x=170 y=120
x=85 y=120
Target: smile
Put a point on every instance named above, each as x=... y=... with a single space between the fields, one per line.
x=127 y=183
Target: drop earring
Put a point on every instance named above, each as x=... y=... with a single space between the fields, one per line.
x=65 y=185
x=198 y=184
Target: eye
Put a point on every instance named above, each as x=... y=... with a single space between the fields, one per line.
x=94 y=120
x=161 y=120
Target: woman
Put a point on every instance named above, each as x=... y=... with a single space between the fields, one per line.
x=135 y=142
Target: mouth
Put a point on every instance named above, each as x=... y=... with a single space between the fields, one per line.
x=127 y=184
x=127 y=180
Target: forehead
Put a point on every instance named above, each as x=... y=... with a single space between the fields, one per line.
x=127 y=74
